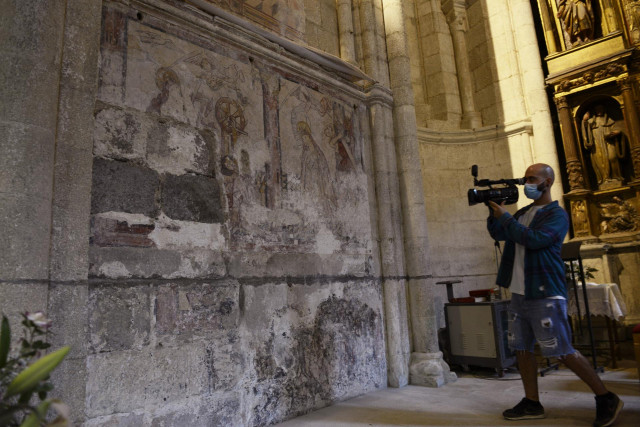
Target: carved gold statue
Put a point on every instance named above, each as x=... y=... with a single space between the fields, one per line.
x=604 y=139
x=618 y=216
x=577 y=20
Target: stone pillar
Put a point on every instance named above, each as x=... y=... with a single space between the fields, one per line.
x=427 y=365
x=392 y=263
x=533 y=86
x=633 y=123
x=571 y=147
x=31 y=35
x=369 y=47
x=456 y=13
x=50 y=54
x=345 y=29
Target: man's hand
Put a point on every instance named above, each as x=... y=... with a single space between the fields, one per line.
x=497 y=209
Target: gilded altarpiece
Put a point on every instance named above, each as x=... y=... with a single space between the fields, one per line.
x=593 y=66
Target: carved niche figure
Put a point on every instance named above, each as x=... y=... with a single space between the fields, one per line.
x=580 y=223
x=604 y=139
x=618 y=215
x=577 y=20
x=632 y=11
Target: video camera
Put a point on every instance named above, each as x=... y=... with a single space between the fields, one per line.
x=507 y=193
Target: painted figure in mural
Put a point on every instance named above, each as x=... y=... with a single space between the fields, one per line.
x=531 y=267
x=314 y=171
x=606 y=142
x=344 y=159
x=166 y=79
x=618 y=215
x=577 y=20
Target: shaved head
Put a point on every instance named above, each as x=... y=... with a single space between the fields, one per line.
x=542 y=170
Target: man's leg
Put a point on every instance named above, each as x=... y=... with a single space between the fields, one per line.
x=583 y=369
x=528 y=367
x=529 y=407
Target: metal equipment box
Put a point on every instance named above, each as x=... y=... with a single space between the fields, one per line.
x=478 y=334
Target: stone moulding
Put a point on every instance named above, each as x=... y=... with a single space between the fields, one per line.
x=473 y=136
x=307 y=52
x=237 y=35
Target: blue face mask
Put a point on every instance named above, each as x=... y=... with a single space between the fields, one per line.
x=532 y=192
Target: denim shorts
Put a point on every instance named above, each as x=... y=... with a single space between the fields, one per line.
x=541 y=320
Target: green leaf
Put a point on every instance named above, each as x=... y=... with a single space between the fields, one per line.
x=5 y=341
x=39 y=370
x=34 y=418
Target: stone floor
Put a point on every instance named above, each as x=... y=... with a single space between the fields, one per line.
x=478 y=399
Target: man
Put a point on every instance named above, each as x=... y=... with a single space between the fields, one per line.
x=533 y=269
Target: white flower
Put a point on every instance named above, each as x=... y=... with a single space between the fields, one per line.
x=39 y=319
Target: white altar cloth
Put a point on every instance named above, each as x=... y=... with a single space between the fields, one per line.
x=604 y=299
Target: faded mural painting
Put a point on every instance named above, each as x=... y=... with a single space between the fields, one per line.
x=280 y=145
x=212 y=166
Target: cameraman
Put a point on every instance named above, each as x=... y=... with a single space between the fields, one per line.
x=533 y=270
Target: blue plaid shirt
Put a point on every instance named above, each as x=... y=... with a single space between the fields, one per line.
x=543 y=266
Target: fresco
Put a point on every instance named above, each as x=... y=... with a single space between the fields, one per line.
x=286 y=154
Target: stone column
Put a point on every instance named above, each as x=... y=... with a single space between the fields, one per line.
x=31 y=35
x=456 y=13
x=633 y=123
x=427 y=366
x=50 y=53
x=345 y=29
x=574 y=166
x=533 y=85
x=385 y=173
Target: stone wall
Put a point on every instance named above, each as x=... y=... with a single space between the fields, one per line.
x=213 y=259
x=470 y=254
x=230 y=259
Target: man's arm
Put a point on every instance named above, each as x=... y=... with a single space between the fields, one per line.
x=493 y=226
x=548 y=230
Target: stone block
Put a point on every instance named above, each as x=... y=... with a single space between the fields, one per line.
x=483 y=77
x=116 y=420
x=123 y=187
x=192 y=198
x=198 y=309
x=226 y=364
x=128 y=262
x=26 y=164
x=69 y=380
x=119 y=134
x=67 y=310
x=176 y=149
x=114 y=232
x=119 y=317
x=126 y=381
x=26 y=219
x=18 y=298
x=30 y=39
x=213 y=410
